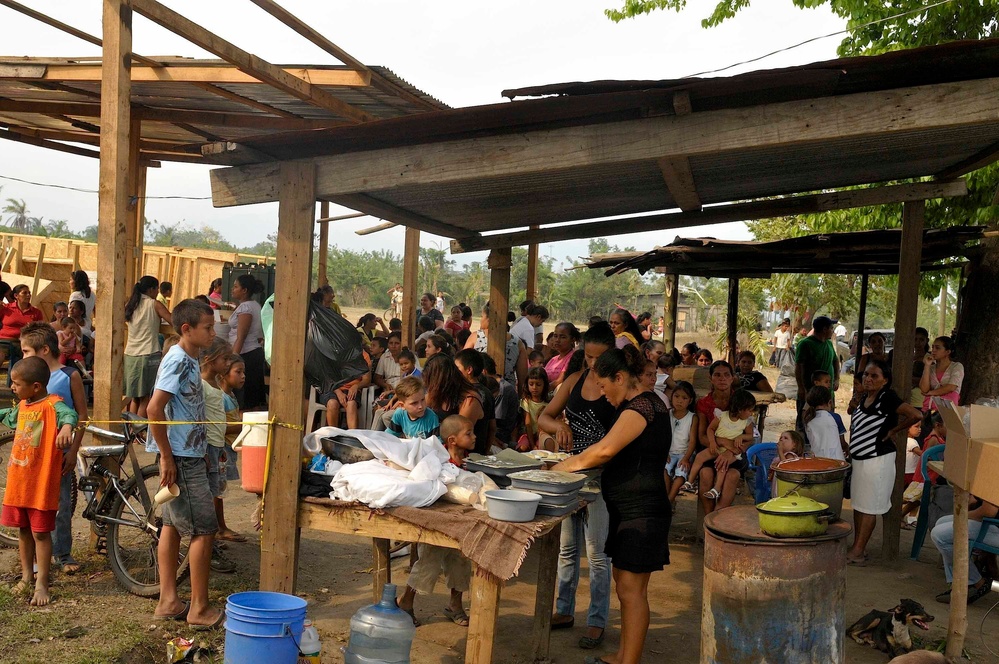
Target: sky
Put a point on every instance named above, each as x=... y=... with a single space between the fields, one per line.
x=463 y=53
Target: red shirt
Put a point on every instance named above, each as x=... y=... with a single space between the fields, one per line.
x=14 y=319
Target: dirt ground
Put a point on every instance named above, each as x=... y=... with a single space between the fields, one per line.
x=93 y=621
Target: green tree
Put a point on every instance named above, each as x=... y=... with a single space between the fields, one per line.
x=18 y=211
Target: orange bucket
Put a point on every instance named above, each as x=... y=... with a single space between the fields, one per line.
x=251 y=443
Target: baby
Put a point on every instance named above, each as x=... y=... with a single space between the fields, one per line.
x=730 y=432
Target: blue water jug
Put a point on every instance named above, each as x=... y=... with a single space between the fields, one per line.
x=381 y=633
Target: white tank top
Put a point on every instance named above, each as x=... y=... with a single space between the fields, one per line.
x=681 y=432
x=143 y=329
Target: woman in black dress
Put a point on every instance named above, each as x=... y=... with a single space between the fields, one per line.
x=633 y=454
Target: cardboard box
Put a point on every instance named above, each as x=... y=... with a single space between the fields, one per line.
x=972 y=462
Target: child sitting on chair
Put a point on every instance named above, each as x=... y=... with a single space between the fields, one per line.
x=731 y=432
x=413 y=419
x=458 y=437
x=790 y=445
x=70 y=341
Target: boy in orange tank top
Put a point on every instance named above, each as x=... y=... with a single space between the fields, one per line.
x=44 y=427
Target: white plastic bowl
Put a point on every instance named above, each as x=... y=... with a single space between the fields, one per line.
x=512 y=505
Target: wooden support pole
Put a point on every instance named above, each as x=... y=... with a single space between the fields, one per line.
x=957 y=624
x=324 y=241
x=485 y=596
x=670 y=305
x=861 y=321
x=942 y=323
x=112 y=215
x=732 y=319
x=499 y=262
x=279 y=537
x=38 y=268
x=545 y=596
x=907 y=302
x=410 y=283
x=140 y=219
x=135 y=133
x=381 y=569
x=532 y=270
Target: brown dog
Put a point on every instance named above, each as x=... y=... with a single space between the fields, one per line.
x=888 y=631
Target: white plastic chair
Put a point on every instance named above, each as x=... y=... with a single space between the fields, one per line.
x=367 y=407
x=314 y=407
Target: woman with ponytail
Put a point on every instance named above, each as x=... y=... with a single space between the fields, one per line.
x=246 y=335
x=633 y=454
x=142 y=350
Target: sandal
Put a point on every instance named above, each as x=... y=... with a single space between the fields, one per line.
x=458 y=617
x=688 y=487
x=231 y=536
x=589 y=642
x=180 y=615
x=68 y=565
x=712 y=494
x=215 y=624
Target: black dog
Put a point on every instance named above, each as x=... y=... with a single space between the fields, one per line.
x=888 y=631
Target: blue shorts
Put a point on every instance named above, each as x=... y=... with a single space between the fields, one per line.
x=193 y=511
x=673 y=467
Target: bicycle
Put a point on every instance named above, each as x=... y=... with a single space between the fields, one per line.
x=120 y=506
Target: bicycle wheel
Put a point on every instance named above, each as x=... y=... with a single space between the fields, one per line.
x=132 y=549
x=8 y=536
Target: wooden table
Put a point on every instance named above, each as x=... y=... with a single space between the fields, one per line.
x=485 y=588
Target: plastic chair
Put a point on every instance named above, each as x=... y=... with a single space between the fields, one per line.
x=314 y=407
x=759 y=457
x=934 y=453
x=367 y=408
x=978 y=544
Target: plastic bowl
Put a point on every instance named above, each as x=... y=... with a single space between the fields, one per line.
x=512 y=505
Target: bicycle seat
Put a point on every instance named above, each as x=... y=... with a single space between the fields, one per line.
x=95 y=451
x=132 y=417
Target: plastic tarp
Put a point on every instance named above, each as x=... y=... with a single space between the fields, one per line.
x=333 y=354
x=267 y=323
x=787 y=384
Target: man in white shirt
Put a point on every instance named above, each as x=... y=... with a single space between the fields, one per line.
x=840 y=332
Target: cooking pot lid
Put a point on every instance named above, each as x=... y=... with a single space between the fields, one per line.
x=792 y=504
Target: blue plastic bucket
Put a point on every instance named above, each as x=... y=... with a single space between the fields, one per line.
x=263 y=628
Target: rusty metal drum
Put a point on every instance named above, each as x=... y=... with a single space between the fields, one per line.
x=768 y=599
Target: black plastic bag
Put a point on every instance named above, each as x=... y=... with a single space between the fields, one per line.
x=333 y=354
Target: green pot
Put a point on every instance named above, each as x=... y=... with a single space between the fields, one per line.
x=793 y=516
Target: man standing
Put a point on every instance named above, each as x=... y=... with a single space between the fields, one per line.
x=815 y=353
x=840 y=331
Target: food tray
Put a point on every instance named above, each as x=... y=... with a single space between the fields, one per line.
x=556 y=499
x=546 y=510
x=548 y=481
x=499 y=467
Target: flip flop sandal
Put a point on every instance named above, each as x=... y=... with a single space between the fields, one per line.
x=233 y=537
x=68 y=561
x=589 y=643
x=180 y=615
x=205 y=628
x=857 y=562
x=458 y=617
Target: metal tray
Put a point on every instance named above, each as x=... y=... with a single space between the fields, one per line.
x=345 y=449
x=499 y=468
x=556 y=499
x=545 y=510
x=548 y=481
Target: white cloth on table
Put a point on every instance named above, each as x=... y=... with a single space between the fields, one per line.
x=421 y=478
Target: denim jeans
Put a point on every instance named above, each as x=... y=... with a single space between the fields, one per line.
x=62 y=536
x=943 y=538
x=588 y=527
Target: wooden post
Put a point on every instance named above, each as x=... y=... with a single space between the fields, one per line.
x=942 y=324
x=410 y=282
x=485 y=596
x=907 y=302
x=957 y=624
x=324 y=243
x=671 y=302
x=545 y=594
x=76 y=257
x=381 y=570
x=279 y=537
x=499 y=262
x=532 y=270
x=861 y=320
x=112 y=215
x=732 y=319
x=140 y=220
x=38 y=268
x=131 y=226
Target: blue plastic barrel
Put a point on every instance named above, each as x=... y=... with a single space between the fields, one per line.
x=263 y=628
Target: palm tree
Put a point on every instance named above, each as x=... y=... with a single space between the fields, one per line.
x=18 y=211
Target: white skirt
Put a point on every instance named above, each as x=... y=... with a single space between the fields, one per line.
x=872 y=484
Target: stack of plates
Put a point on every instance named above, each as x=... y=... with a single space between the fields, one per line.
x=559 y=491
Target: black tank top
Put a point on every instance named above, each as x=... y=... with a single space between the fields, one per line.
x=589 y=421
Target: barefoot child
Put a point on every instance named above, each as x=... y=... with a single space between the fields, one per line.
x=44 y=427
x=213 y=362
x=178 y=396
x=413 y=419
x=533 y=401
x=458 y=437
x=684 y=427
x=731 y=432
x=39 y=340
x=232 y=378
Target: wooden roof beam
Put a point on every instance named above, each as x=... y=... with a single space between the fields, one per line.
x=866 y=116
x=249 y=63
x=383 y=210
x=376 y=80
x=252 y=103
x=779 y=207
x=177 y=74
x=980 y=159
x=45 y=143
x=680 y=182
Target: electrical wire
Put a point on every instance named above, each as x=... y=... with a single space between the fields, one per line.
x=94 y=191
x=813 y=39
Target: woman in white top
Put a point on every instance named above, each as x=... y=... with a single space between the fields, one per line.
x=79 y=283
x=246 y=335
x=142 y=350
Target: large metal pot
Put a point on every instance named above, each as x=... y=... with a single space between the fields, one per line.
x=817 y=478
x=793 y=516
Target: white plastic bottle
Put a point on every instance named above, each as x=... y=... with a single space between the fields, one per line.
x=309 y=647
